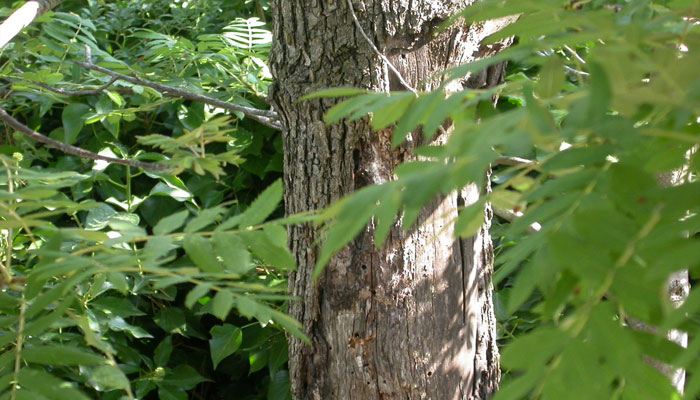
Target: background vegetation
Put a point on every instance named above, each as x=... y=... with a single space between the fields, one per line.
x=125 y=283
x=110 y=275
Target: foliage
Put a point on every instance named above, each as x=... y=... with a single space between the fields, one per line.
x=123 y=283
x=605 y=100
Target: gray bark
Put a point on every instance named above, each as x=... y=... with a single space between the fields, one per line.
x=413 y=320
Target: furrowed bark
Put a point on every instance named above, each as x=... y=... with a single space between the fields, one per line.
x=413 y=320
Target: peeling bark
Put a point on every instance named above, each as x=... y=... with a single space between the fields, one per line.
x=413 y=320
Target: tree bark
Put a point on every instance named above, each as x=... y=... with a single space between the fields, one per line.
x=415 y=319
x=22 y=17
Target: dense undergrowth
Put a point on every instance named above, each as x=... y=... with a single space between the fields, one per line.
x=132 y=283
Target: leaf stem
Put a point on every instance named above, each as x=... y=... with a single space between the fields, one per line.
x=18 y=347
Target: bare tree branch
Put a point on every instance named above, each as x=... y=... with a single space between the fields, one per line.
x=265 y=117
x=76 y=151
x=84 y=92
x=22 y=17
x=512 y=161
x=379 y=53
x=511 y=216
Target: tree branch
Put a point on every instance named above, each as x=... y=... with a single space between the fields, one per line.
x=22 y=17
x=512 y=161
x=265 y=117
x=84 y=92
x=379 y=53
x=76 y=151
x=511 y=216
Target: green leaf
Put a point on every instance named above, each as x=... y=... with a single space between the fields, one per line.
x=26 y=394
x=534 y=348
x=170 y=223
x=334 y=92
x=184 y=377
x=159 y=246
x=162 y=353
x=38 y=325
x=225 y=340
x=195 y=294
x=109 y=377
x=55 y=293
x=525 y=282
x=263 y=246
x=73 y=121
x=519 y=387
x=257 y=361
x=201 y=252
x=390 y=111
x=599 y=100
x=7 y=302
x=221 y=304
x=233 y=252
x=263 y=206
x=48 y=385
x=60 y=355
x=168 y=392
x=470 y=220
x=578 y=156
x=118 y=280
x=505 y=199
x=205 y=218
x=418 y=112
x=279 y=355
x=166 y=281
x=385 y=216
x=354 y=212
x=98 y=217
x=119 y=324
x=279 y=388
x=551 y=78
x=171 y=320
x=247 y=307
x=360 y=105
x=167 y=189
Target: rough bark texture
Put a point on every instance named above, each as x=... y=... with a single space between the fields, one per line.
x=413 y=320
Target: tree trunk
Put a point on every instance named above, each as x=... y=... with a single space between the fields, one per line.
x=413 y=320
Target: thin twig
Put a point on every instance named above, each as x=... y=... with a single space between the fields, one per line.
x=19 y=342
x=575 y=71
x=7 y=268
x=76 y=151
x=511 y=216
x=512 y=161
x=566 y=67
x=84 y=92
x=265 y=117
x=379 y=53
x=575 y=54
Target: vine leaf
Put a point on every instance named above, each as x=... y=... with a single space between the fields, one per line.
x=225 y=340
